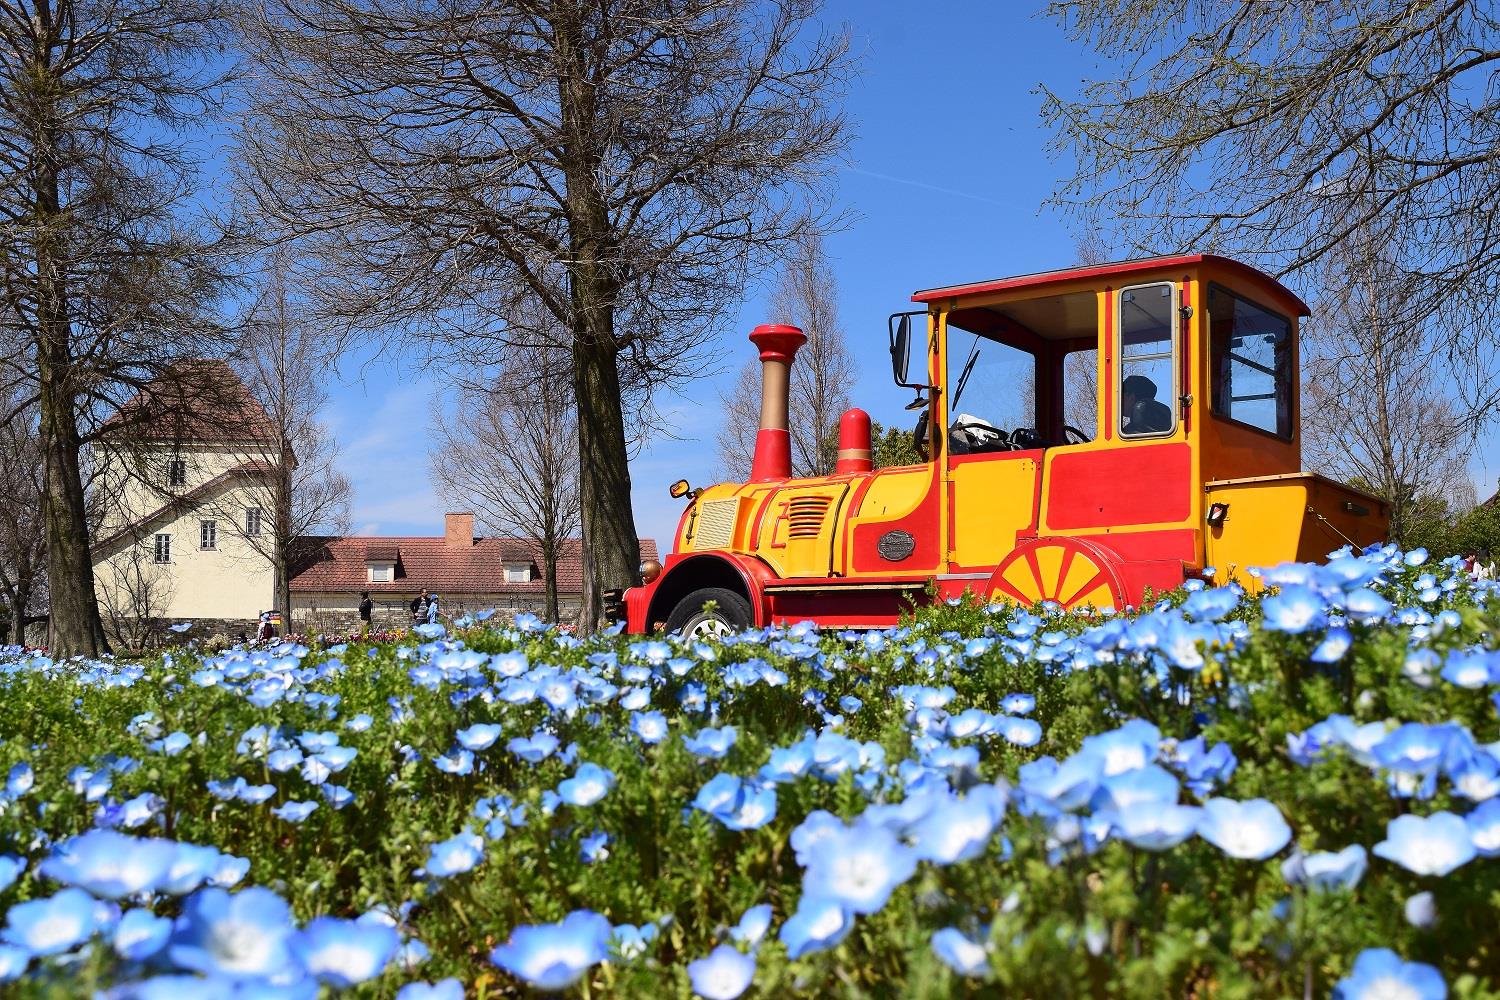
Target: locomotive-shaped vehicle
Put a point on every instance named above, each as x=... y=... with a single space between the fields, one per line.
x=1089 y=434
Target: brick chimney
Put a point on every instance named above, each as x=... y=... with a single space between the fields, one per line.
x=458 y=530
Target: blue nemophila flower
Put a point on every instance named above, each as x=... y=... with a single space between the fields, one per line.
x=344 y=953
x=141 y=934
x=1017 y=704
x=1427 y=845
x=1380 y=974
x=458 y=762
x=242 y=935
x=1133 y=745
x=1484 y=828
x=723 y=975
x=1336 y=642
x=1420 y=910
x=294 y=812
x=1252 y=830
x=1294 y=608
x=172 y=744
x=788 y=763
x=650 y=727
x=753 y=925
x=1153 y=825
x=443 y=989
x=479 y=736
x=1342 y=870
x=817 y=925
x=20 y=780
x=960 y=953
x=1471 y=668
x=959 y=829
x=858 y=867
x=594 y=848
x=555 y=956
x=13 y=962
x=589 y=784
x=284 y=760
x=1020 y=732
x=109 y=864
x=534 y=748
x=710 y=744
x=630 y=942
x=52 y=925
x=11 y=868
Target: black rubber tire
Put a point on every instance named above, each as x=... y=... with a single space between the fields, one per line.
x=730 y=608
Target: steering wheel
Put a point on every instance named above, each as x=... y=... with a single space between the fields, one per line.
x=1072 y=435
x=919 y=435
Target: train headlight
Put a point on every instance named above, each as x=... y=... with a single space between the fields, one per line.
x=650 y=570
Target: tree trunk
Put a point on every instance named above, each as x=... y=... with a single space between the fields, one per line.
x=281 y=597
x=19 y=598
x=549 y=575
x=604 y=481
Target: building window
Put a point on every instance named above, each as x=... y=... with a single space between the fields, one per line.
x=208 y=534
x=1148 y=361
x=163 y=548
x=382 y=574
x=518 y=574
x=252 y=521
x=176 y=472
x=1250 y=349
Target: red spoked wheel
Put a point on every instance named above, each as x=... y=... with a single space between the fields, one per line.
x=1071 y=571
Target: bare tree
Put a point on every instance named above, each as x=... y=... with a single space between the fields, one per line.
x=23 y=550
x=1282 y=129
x=626 y=163
x=135 y=594
x=102 y=276
x=805 y=295
x=284 y=362
x=508 y=450
x=1376 y=410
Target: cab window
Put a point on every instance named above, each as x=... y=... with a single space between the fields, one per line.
x=1148 y=356
x=1250 y=349
x=991 y=391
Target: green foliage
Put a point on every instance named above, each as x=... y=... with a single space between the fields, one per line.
x=892 y=446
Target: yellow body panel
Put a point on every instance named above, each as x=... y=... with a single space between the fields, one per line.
x=798 y=529
x=992 y=500
x=1274 y=519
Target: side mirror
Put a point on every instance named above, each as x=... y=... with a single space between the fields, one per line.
x=901 y=348
x=679 y=489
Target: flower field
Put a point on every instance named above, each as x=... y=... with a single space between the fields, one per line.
x=1229 y=796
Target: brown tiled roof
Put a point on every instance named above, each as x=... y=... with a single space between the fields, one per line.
x=175 y=506
x=337 y=565
x=198 y=401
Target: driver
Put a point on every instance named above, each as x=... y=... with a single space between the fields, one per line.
x=1143 y=413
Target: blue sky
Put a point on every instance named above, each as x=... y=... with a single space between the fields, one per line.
x=946 y=183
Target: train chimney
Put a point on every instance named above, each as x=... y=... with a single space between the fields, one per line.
x=778 y=345
x=854 y=442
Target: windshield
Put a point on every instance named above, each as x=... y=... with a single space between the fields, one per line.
x=990 y=381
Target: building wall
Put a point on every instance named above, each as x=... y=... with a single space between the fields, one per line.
x=339 y=612
x=231 y=581
x=135 y=482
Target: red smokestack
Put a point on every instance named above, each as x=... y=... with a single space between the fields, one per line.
x=854 y=442
x=773 y=445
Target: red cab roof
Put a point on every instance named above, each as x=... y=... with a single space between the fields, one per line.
x=1122 y=268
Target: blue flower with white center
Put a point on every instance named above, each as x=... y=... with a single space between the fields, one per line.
x=443 y=989
x=1294 y=608
x=1366 y=607
x=594 y=847
x=336 y=796
x=753 y=925
x=818 y=924
x=284 y=760
x=141 y=934
x=649 y=727
x=1427 y=845
x=242 y=935
x=1484 y=828
x=723 y=975
x=1212 y=604
x=534 y=748
x=970 y=722
x=1019 y=732
x=255 y=794
x=479 y=736
x=335 y=759
x=1153 y=825
x=1064 y=786
x=20 y=780
x=11 y=868
x=1420 y=910
x=1380 y=974
x=459 y=762
x=110 y=865
x=172 y=744
x=555 y=956
x=1336 y=642
x=756 y=806
x=858 y=867
x=959 y=829
x=1415 y=748
x=1252 y=830
x=455 y=855
x=1328 y=871
x=294 y=812
x=53 y=925
x=960 y=953
x=1471 y=668
x=630 y=942
x=1017 y=704
x=1151 y=784
x=13 y=962
x=344 y=953
x=634 y=699
x=589 y=784
x=1133 y=745
x=140 y=810
x=788 y=763
x=710 y=744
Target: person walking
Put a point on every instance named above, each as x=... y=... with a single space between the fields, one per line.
x=419 y=608
x=432 y=609
x=366 y=608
